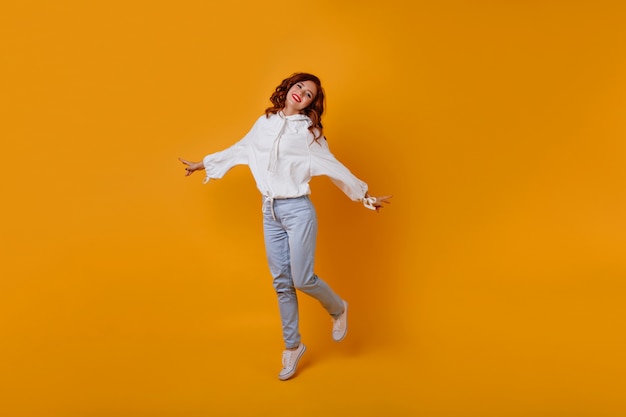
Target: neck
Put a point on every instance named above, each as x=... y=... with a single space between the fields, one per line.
x=289 y=112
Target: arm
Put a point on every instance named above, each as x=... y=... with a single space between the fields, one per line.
x=218 y=164
x=323 y=162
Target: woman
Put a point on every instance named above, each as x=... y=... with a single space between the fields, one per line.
x=284 y=149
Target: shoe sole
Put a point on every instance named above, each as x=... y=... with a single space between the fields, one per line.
x=295 y=366
x=346 y=332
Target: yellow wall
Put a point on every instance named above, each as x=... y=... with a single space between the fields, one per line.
x=493 y=285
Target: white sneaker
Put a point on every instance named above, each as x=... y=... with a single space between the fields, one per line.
x=290 y=362
x=340 y=325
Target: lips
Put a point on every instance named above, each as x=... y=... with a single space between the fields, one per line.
x=296 y=98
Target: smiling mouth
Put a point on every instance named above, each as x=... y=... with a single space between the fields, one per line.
x=296 y=98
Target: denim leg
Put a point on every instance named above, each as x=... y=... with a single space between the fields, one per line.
x=277 y=250
x=300 y=220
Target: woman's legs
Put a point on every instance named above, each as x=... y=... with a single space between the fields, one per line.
x=290 y=237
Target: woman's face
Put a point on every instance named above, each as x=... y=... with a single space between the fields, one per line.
x=299 y=97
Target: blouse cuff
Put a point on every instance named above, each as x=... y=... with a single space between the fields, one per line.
x=207 y=178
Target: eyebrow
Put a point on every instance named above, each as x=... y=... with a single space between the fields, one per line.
x=305 y=88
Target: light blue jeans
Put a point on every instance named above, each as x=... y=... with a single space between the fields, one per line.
x=290 y=231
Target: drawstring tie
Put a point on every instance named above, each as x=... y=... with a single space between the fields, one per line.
x=273 y=161
x=270 y=200
x=274 y=152
x=368 y=202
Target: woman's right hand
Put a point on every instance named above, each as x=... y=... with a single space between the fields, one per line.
x=191 y=166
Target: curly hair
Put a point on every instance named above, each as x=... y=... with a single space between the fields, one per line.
x=314 y=111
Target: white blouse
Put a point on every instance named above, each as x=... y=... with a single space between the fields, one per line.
x=283 y=157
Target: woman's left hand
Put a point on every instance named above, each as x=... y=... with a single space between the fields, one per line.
x=378 y=201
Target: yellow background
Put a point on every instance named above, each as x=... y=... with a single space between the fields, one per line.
x=492 y=286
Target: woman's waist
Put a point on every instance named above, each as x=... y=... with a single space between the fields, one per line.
x=283 y=191
x=267 y=198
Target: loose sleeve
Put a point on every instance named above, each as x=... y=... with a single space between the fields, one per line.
x=323 y=162
x=217 y=164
